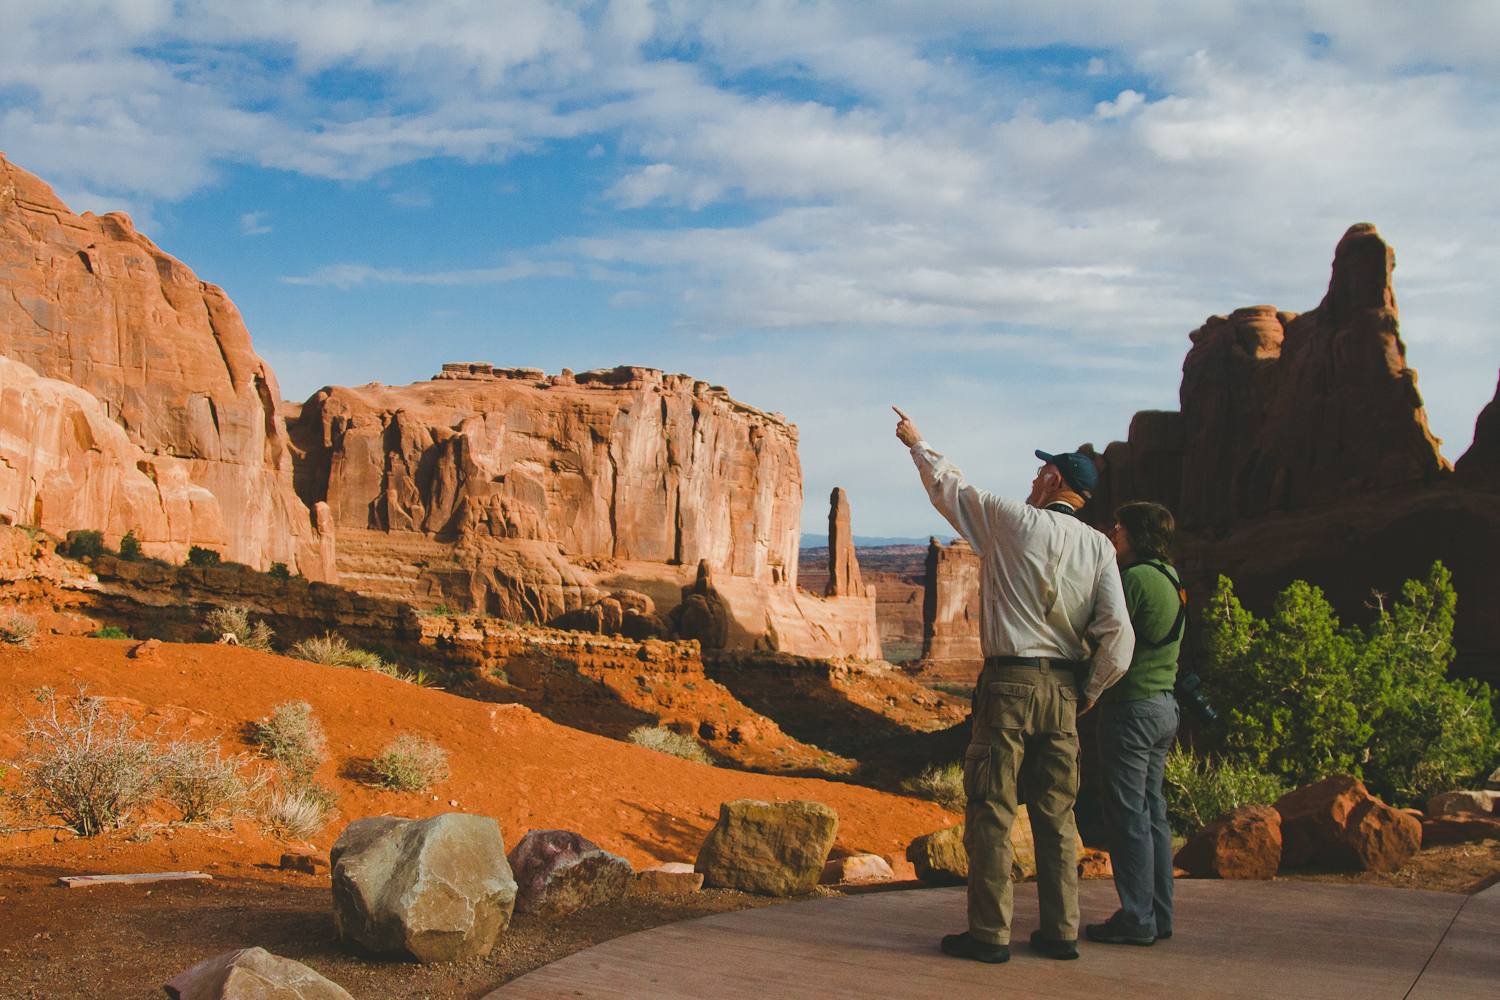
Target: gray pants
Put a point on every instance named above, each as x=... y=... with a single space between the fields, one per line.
x=1134 y=737
x=1026 y=729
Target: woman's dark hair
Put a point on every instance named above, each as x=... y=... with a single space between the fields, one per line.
x=1151 y=527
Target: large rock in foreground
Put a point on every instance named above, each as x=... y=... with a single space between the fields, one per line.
x=939 y=857
x=770 y=849
x=252 y=974
x=558 y=871
x=438 y=889
x=1338 y=823
x=1244 y=843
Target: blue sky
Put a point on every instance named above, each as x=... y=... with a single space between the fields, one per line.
x=1004 y=218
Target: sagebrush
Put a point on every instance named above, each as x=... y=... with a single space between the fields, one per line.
x=292 y=736
x=664 y=740
x=411 y=763
x=235 y=621
x=18 y=629
x=1199 y=792
x=331 y=649
x=201 y=781
x=942 y=783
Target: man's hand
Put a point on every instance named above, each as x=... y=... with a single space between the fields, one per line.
x=906 y=430
x=1086 y=706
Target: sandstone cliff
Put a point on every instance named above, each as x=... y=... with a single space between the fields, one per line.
x=527 y=497
x=92 y=302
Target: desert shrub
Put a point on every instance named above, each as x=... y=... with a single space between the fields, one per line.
x=200 y=780
x=130 y=547
x=18 y=629
x=110 y=632
x=1199 y=792
x=278 y=571
x=411 y=763
x=331 y=650
x=236 y=621
x=201 y=557
x=292 y=736
x=297 y=811
x=942 y=783
x=84 y=764
x=663 y=740
x=85 y=544
x=1302 y=698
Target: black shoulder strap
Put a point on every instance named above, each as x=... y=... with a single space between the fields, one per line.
x=1176 y=631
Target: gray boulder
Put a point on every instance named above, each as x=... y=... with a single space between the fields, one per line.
x=252 y=974
x=1453 y=803
x=438 y=889
x=558 y=871
x=940 y=857
x=770 y=849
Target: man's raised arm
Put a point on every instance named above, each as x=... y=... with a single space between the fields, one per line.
x=961 y=505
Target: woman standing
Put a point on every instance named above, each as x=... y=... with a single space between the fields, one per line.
x=1137 y=723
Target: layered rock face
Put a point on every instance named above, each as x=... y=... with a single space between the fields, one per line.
x=93 y=303
x=528 y=497
x=950 y=612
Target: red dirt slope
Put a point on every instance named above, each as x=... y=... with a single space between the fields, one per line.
x=506 y=761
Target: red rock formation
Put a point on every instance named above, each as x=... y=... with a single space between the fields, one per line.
x=843 y=564
x=92 y=302
x=1337 y=822
x=950 y=612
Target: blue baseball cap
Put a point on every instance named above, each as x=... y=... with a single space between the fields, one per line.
x=1077 y=469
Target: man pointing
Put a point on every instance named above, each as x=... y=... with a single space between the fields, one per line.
x=1049 y=592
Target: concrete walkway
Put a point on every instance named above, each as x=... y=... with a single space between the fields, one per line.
x=1240 y=940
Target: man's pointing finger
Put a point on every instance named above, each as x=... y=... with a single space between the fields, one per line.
x=900 y=414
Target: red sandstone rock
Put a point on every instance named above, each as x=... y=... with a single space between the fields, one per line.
x=843 y=565
x=1460 y=828
x=1381 y=838
x=1313 y=817
x=1244 y=843
x=950 y=612
x=856 y=868
x=1337 y=822
x=166 y=361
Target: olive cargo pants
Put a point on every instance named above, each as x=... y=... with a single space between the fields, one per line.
x=1025 y=727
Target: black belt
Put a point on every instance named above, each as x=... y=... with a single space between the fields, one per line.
x=1033 y=661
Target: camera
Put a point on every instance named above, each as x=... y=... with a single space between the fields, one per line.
x=1189 y=692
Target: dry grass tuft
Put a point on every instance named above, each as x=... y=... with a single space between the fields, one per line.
x=663 y=740
x=236 y=621
x=292 y=736
x=942 y=783
x=411 y=763
x=18 y=629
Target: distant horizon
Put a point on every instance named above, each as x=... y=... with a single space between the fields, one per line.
x=809 y=541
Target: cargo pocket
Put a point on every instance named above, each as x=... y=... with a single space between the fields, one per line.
x=1067 y=705
x=977 y=772
x=1009 y=704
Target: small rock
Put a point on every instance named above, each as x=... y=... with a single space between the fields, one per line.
x=252 y=974
x=1461 y=802
x=1460 y=829
x=773 y=850
x=438 y=888
x=302 y=861
x=1094 y=863
x=901 y=869
x=858 y=868
x=1244 y=843
x=940 y=857
x=674 y=877
x=142 y=650
x=558 y=871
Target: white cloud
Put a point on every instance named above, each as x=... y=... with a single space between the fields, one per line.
x=250 y=224
x=349 y=275
x=1120 y=106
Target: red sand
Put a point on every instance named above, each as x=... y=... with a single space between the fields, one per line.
x=507 y=761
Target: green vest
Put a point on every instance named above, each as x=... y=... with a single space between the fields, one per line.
x=1154 y=604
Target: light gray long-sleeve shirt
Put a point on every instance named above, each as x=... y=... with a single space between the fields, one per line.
x=1048 y=586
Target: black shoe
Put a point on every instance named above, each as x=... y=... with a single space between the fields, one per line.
x=1061 y=950
x=964 y=946
x=1164 y=935
x=1110 y=932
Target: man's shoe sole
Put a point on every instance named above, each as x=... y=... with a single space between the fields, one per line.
x=1102 y=938
x=963 y=946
